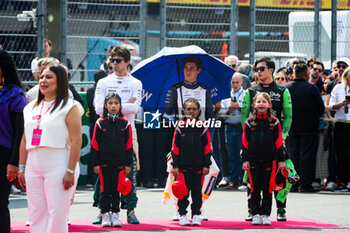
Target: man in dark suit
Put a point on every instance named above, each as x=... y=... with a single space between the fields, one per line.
x=303 y=135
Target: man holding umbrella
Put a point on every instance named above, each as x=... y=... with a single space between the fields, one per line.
x=166 y=87
x=157 y=142
x=189 y=88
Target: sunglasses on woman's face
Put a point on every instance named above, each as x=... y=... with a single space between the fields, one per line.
x=118 y=60
x=342 y=66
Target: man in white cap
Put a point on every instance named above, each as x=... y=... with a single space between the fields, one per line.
x=342 y=64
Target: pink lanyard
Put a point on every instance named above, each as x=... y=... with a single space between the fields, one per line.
x=42 y=106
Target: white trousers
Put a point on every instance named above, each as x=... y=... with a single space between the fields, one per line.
x=48 y=202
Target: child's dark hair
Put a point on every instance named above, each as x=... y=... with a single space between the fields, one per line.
x=267 y=97
x=192 y=100
x=108 y=97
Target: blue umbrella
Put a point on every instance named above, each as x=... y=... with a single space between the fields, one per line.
x=159 y=72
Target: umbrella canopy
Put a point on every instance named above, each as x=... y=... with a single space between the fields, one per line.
x=159 y=72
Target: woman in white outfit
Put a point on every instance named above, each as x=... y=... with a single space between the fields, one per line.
x=340 y=103
x=49 y=152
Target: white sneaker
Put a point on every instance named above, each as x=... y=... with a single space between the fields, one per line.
x=184 y=221
x=265 y=220
x=27 y=223
x=196 y=220
x=242 y=188
x=106 y=220
x=115 y=220
x=203 y=217
x=68 y=221
x=15 y=190
x=256 y=220
x=223 y=182
x=348 y=186
x=176 y=216
x=331 y=186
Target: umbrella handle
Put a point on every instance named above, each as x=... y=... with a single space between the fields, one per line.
x=178 y=76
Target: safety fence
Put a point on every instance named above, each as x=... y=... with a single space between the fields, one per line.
x=92 y=26
x=207 y=26
x=302 y=29
x=248 y=29
x=19 y=34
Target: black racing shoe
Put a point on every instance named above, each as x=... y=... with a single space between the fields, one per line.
x=249 y=218
x=281 y=215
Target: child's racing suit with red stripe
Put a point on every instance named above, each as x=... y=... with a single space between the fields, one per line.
x=262 y=147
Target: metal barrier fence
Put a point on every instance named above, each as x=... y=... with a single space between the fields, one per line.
x=207 y=26
x=19 y=32
x=283 y=29
x=92 y=26
x=220 y=27
x=302 y=28
x=243 y=28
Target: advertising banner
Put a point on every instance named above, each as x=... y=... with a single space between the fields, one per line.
x=85 y=149
x=325 y=4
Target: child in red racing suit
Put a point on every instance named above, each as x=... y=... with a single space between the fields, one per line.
x=191 y=153
x=111 y=153
x=261 y=149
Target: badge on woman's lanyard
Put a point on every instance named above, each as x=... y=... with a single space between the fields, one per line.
x=37 y=132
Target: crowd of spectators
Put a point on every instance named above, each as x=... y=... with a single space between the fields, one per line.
x=328 y=166
x=331 y=166
x=315 y=140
